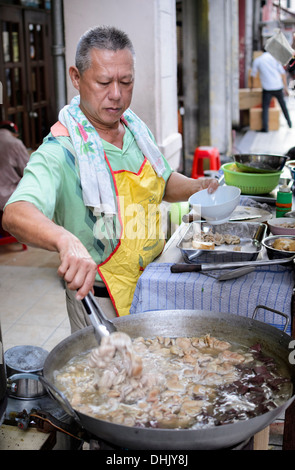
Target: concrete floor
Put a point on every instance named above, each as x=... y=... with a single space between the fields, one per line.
x=33 y=310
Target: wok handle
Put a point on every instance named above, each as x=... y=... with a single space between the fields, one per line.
x=58 y=396
x=274 y=311
x=185 y=268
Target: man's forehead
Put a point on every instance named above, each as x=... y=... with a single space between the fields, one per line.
x=105 y=56
x=107 y=63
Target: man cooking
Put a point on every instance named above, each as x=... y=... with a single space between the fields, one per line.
x=97 y=180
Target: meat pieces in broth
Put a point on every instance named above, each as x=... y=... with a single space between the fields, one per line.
x=160 y=382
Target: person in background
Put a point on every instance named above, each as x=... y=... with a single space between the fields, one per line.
x=290 y=67
x=13 y=159
x=92 y=191
x=274 y=84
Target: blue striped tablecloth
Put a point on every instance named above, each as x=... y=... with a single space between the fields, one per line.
x=272 y=286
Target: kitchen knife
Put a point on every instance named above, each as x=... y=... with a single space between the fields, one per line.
x=187 y=268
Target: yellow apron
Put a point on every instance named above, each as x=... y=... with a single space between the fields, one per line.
x=141 y=240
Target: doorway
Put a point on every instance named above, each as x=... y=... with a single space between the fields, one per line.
x=26 y=72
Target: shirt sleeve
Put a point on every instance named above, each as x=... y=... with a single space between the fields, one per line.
x=281 y=69
x=254 y=68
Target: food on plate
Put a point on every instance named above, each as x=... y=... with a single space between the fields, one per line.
x=164 y=382
x=208 y=240
x=284 y=244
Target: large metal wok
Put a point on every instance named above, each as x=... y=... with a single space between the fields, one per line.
x=240 y=330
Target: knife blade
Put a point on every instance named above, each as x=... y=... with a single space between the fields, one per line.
x=235 y=273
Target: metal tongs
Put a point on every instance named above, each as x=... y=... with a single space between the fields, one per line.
x=102 y=326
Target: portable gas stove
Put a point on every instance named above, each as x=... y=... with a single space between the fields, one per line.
x=29 y=410
x=25 y=419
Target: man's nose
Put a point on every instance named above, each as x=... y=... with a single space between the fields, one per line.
x=115 y=90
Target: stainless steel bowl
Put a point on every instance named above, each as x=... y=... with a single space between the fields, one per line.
x=274 y=253
x=259 y=163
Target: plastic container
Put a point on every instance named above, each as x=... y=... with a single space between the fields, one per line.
x=250 y=183
x=284 y=201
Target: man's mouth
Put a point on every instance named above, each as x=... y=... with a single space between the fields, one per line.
x=113 y=110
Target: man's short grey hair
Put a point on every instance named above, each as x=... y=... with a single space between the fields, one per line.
x=101 y=37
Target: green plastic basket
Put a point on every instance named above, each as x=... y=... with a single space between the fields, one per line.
x=251 y=183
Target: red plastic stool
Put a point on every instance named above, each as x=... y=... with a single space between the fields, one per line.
x=6 y=238
x=210 y=153
x=10 y=239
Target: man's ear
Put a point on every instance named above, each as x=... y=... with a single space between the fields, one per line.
x=75 y=77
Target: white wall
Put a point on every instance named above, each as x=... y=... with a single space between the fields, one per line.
x=151 y=25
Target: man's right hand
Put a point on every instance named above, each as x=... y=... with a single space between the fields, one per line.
x=77 y=267
x=30 y=226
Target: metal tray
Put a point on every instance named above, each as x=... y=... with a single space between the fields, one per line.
x=251 y=234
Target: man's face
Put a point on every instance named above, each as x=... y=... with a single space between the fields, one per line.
x=106 y=87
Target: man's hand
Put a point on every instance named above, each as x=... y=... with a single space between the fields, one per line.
x=204 y=183
x=77 y=267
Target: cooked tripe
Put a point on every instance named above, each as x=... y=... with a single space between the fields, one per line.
x=199 y=245
x=208 y=240
x=284 y=244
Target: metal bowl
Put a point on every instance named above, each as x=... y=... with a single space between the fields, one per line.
x=274 y=253
x=259 y=163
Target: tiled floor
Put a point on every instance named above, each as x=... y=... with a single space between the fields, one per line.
x=32 y=310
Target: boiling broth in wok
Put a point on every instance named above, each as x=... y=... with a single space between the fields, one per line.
x=172 y=382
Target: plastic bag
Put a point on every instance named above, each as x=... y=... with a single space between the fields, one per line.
x=279 y=47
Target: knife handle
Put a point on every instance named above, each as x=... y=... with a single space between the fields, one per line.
x=185 y=268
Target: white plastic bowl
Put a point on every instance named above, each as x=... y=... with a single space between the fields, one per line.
x=216 y=208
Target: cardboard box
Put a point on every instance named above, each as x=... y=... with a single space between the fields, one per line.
x=249 y=98
x=256 y=54
x=256 y=80
x=274 y=112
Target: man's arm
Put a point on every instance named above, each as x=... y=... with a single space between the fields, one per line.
x=284 y=78
x=180 y=188
x=24 y=221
